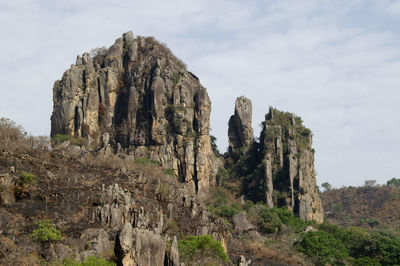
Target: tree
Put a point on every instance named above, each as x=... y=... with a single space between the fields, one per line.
x=323 y=247
x=394 y=182
x=326 y=186
x=45 y=232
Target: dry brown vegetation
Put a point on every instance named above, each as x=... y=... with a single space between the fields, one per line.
x=14 y=139
x=367 y=206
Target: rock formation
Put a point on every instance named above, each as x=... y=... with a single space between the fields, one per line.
x=240 y=131
x=288 y=159
x=283 y=161
x=139 y=99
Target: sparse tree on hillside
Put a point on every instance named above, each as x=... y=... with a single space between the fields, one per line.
x=326 y=186
x=394 y=182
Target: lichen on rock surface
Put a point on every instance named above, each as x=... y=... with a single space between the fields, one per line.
x=137 y=98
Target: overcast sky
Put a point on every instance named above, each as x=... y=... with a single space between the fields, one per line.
x=334 y=63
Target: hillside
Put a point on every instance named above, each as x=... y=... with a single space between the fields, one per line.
x=131 y=176
x=367 y=206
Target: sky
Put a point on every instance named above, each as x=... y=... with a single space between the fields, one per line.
x=334 y=63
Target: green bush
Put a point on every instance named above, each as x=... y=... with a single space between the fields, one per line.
x=89 y=261
x=27 y=178
x=227 y=210
x=265 y=218
x=219 y=205
x=169 y=171
x=201 y=250
x=60 y=138
x=387 y=249
x=365 y=261
x=289 y=219
x=144 y=160
x=394 y=182
x=45 y=232
x=323 y=247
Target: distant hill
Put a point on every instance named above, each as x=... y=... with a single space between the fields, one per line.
x=375 y=206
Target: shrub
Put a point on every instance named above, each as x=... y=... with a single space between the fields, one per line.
x=323 y=247
x=60 y=138
x=227 y=210
x=144 y=160
x=89 y=261
x=45 y=232
x=222 y=176
x=265 y=218
x=202 y=250
x=365 y=261
x=388 y=250
x=163 y=192
x=289 y=219
x=169 y=171
x=27 y=178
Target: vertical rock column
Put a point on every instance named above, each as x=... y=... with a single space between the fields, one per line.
x=240 y=131
x=289 y=165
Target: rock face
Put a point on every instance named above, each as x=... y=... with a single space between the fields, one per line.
x=289 y=165
x=139 y=99
x=240 y=131
x=282 y=162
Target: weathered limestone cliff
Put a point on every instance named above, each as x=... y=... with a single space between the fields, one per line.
x=283 y=161
x=137 y=98
x=288 y=158
x=240 y=131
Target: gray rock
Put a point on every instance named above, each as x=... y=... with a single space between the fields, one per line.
x=150 y=108
x=240 y=131
x=175 y=252
x=287 y=148
x=62 y=251
x=243 y=262
x=140 y=247
x=241 y=223
x=6 y=189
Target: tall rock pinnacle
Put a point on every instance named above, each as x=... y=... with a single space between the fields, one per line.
x=138 y=98
x=289 y=165
x=240 y=131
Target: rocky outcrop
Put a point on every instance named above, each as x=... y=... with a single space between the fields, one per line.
x=6 y=189
x=288 y=159
x=140 y=247
x=240 y=131
x=137 y=98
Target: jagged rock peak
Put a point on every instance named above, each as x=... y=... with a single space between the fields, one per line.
x=240 y=131
x=137 y=98
x=289 y=165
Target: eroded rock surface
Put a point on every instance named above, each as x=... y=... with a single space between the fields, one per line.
x=137 y=98
x=289 y=165
x=240 y=131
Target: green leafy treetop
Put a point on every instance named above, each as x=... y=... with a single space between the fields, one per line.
x=45 y=232
x=201 y=250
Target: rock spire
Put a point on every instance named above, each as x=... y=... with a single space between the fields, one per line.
x=240 y=131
